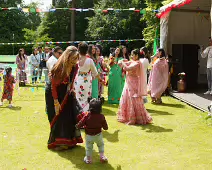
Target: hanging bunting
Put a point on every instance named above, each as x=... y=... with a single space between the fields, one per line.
x=174 y=4
x=68 y=42
x=37 y=10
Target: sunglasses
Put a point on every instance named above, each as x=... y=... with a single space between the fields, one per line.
x=60 y=53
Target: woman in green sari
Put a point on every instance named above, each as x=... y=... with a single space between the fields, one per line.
x=95 y=82
x=115 y=81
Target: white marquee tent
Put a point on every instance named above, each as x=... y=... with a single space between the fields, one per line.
x=185 y=22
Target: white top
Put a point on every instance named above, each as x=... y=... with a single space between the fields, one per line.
x=88 y=66
x=145 y=63
x=51 y=62
x=208 y=53
x=34 y=61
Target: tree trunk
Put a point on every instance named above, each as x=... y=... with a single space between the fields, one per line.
x=73 y=16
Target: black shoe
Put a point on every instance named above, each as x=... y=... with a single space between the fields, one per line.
x=209 y=108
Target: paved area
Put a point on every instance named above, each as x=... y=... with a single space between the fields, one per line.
x=196 y=99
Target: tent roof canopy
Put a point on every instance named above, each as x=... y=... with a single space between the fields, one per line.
x=195 y=5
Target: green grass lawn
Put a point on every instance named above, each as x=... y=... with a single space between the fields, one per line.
x=180 y=138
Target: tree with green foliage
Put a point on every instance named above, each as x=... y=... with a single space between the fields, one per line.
x=151 y=32
x=12 y=24
x=116 y=24
x=57 y=25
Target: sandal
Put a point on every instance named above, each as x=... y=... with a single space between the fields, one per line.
x=103 y=159
x=87 y=161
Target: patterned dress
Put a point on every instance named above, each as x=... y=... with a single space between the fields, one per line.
x=21 y=65
x=8 y=87
x=132 y=110
x=83 y=82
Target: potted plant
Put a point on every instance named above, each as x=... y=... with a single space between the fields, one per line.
x=181 y=84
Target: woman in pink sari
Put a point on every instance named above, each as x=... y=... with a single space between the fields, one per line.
x=131 y=110
x=158 y=80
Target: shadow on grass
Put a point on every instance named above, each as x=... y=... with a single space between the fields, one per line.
x=111 y=137
x=106 y=104
x=12 y=108
x=158 y=112
x=150 y=128
x=170 y=105
x=34 y=85
x=108 y=112
x=76 y=156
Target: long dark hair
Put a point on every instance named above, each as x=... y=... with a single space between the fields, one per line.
x=163 y=54
x=90 y=46
x=33 y=52
x=146 y=55
x=8 y=71
x=19 y=53
x=136 y=52
x=127 y=54
x=100 y=48
x=120 y=53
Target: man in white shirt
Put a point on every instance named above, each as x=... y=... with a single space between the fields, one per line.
x=53 y=59
x=208 y=53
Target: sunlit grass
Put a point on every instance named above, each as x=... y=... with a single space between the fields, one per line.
x=180 y=138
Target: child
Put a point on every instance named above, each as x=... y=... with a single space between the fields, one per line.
x=94 y=121
x=8 y=86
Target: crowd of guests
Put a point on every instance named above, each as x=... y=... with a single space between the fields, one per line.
x=75 y=80
x=30 y=68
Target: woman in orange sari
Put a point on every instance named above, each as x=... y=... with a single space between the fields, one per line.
x=132 y=110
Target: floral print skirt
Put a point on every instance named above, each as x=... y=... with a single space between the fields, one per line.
x=82 y=87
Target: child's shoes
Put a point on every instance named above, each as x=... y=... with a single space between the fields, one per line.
x=87 y=161
x=1 y=103
x=103 y=159
x=10 y=106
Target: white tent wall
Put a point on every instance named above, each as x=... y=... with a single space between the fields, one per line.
x=189 y=28
x=184 y=26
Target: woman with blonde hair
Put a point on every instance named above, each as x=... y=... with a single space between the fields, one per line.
x=63 y=132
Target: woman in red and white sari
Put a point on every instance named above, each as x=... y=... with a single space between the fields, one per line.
x=132 y=110
x=159 y=75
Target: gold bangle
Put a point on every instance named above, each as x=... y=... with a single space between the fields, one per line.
x=56 y=104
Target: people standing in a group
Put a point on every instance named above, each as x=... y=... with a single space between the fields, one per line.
x=48 y=90
x=208 y=53
x=34 y=62
x=21 y=61
x=63 y=133
x=158 y=80
x=95 y=82
x=8 y=87
x=131 y=109
x=115 y=78
x=44 y=56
